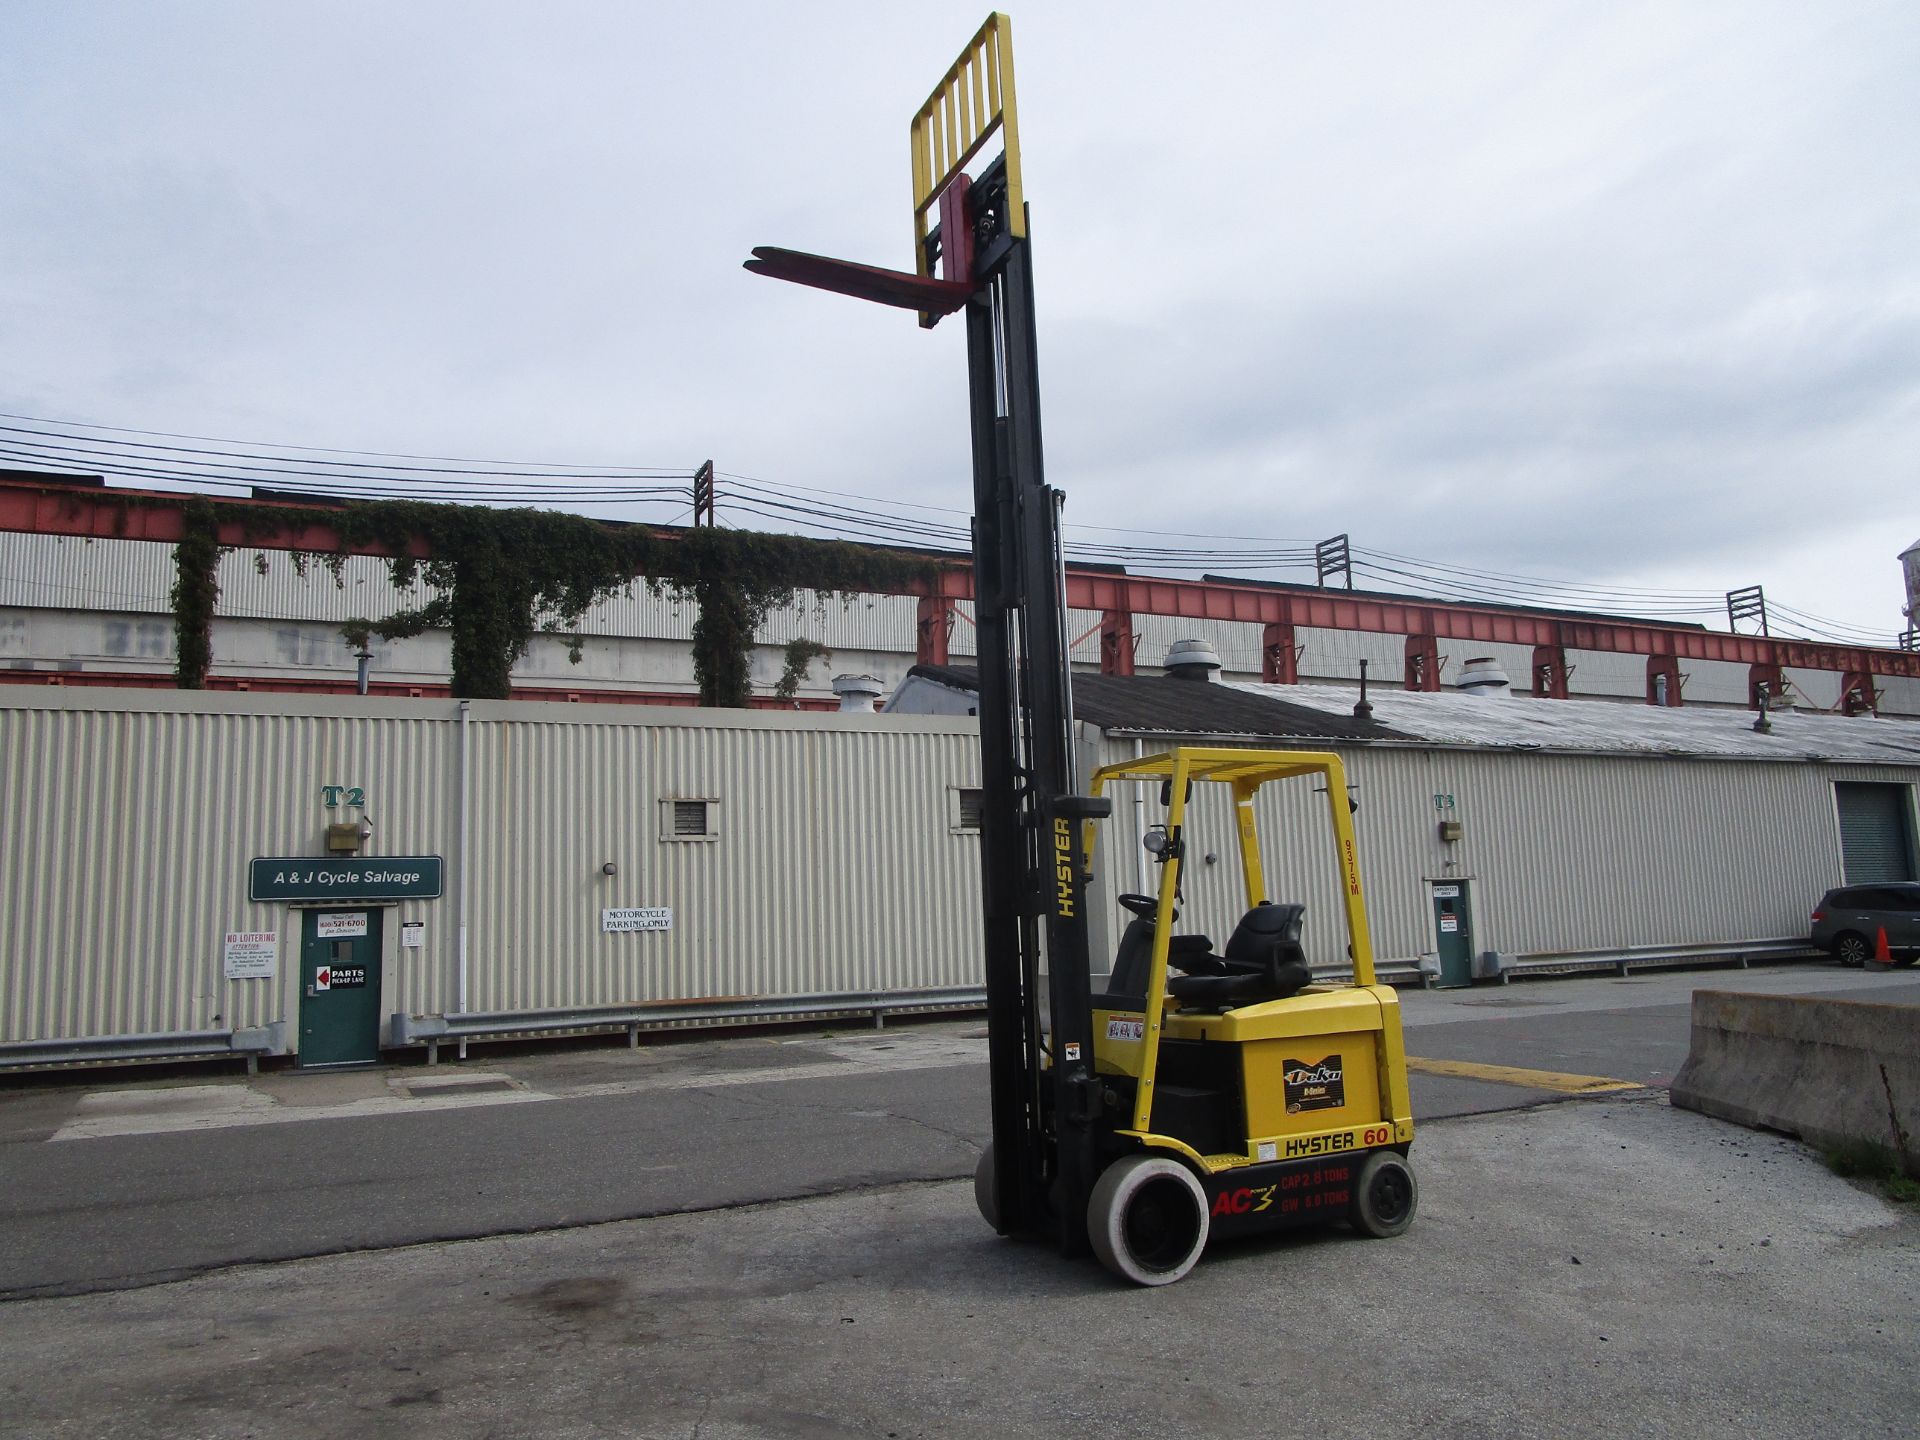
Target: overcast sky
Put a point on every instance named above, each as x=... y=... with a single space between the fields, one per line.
x=1620 y=294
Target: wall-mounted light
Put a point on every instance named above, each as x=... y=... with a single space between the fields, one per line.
x=609 y=868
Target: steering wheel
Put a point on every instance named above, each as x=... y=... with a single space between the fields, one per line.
x=1145 y=906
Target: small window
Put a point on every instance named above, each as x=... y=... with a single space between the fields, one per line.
x=969 y=806
x=683 y=819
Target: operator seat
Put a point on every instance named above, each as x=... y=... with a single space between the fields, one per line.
x=1263 y=961
x=1127 y=985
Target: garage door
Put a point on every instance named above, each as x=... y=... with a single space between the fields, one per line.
x=1875 y=843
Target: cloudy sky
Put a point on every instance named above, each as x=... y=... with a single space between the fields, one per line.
x=1619 y=295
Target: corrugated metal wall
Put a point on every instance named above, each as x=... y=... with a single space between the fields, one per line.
x=132 y=816
x=834 y=866
x=130 y=823
x=1562 y=852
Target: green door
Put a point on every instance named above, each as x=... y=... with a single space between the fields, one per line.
x=339 y=987
x=1453 y=932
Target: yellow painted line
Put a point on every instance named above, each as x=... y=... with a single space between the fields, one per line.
x=1533 y=1079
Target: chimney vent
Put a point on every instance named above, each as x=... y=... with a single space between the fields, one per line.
x=857 y=693
x=1483 y=676
x=1192 y=660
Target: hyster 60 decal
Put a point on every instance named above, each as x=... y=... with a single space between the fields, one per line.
x=1366 y=1137
x=1315 y=1085
x=1302 y=1146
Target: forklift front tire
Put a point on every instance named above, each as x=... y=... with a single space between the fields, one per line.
x=1147 y=1219
x=1385 y=1196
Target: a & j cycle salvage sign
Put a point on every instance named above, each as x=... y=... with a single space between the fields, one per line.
x=379 y=877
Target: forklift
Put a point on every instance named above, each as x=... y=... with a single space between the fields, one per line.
x=1134 y=1124
x=1242 y=1096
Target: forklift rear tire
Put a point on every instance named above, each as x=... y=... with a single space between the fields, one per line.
x=1147 y=1219
x=1385 y=1196
x=985 y=1193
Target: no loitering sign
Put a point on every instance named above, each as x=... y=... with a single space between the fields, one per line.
x=250 y=954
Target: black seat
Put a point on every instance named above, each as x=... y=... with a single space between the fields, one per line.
x=1263 y=961
x=1127 y=985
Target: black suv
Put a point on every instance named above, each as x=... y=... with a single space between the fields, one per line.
x=1849 y=921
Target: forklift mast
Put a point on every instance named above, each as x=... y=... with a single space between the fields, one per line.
x=1033 y=878
x=1033 y=871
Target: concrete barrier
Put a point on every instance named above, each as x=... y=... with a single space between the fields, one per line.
x=1822 y=1070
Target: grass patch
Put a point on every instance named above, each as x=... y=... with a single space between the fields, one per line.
x=1870 y=1160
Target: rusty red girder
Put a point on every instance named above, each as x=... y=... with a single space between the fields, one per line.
x=100 y=514
x=390 y=689
x=54 y=509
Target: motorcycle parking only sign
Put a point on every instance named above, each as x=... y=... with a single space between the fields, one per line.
x=623 y=922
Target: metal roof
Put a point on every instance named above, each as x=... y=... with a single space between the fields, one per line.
x=1162 y=705
x=1157 y=705
x=1521 y=722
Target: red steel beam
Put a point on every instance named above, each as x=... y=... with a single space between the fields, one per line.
x=115 y=514
x=155 y=515
x=388 y=689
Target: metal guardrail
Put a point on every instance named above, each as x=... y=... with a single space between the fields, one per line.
x=160 y=1045
x=433 y=1031
x=1623 y=959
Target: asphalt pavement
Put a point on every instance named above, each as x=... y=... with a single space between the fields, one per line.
x=1606 y=1267
x=136 y=1181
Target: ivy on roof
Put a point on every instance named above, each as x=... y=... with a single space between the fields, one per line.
x=504 y=575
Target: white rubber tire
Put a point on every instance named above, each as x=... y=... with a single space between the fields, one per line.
x=1385 y=1196
x=1147 y=1219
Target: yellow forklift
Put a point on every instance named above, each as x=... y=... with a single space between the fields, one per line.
x=1244 y=1096
x=1236 y=1096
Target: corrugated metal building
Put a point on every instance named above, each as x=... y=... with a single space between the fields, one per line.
x=580 y=864
x=795 y=854
x=1587 y=831
x=99 y=609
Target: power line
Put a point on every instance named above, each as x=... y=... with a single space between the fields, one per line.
x=370 y=475
x=314 y=449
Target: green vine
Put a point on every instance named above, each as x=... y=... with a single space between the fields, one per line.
x=196 y=590
x=800 y=654
x=502 y=576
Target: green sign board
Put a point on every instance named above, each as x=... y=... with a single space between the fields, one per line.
x=376 y=877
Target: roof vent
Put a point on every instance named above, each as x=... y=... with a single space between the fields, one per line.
x=1483 y=676
x=1192 y=660
x=857 y=693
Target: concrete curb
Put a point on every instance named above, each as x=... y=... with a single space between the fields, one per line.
x=1825 y=1071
